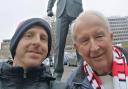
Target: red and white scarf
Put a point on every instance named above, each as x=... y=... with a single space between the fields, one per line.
x=119 y=72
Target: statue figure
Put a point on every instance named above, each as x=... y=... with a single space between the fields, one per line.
x=67 y=11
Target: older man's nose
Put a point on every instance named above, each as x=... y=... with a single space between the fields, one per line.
x=94 y=48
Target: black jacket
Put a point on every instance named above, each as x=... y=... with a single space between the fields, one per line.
x=16 y=78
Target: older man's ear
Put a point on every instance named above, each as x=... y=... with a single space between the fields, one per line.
x=76 y=47
x=111 y=35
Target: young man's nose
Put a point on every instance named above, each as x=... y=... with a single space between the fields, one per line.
x=36 y=40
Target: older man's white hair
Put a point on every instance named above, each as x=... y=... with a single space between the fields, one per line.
x=82 y=15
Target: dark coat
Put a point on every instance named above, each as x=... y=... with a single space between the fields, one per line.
x=78 y=79
x=16 y=78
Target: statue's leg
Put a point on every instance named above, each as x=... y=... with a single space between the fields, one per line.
x=61 y=34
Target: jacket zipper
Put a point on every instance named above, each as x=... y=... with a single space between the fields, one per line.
x=25 y=74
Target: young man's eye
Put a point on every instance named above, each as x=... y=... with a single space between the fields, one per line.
x=44 y=38
x=28 y=35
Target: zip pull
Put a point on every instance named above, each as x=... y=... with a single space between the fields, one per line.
x=25 y=74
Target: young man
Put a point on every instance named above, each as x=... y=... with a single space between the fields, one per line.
x=104 y=66
x=29 y=46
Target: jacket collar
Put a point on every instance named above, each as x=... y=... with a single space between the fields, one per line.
x=42 y=72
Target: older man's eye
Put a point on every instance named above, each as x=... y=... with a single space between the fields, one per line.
x=83 y=41
x=99 y=36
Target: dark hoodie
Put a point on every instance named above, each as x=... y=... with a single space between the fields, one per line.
x=17 y=78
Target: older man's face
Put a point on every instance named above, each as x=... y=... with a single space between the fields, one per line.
x=32 y=48
x=94 y=44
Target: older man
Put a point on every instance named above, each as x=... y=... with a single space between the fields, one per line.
x=104 y=66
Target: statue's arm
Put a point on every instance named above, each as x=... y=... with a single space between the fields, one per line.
x=50 y=5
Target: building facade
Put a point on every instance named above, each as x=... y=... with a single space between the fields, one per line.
x=4 y=51
x=119 y=27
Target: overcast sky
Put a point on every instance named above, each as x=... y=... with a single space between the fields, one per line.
x=14 y=11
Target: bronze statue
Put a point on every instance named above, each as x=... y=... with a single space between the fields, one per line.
x=67 y=11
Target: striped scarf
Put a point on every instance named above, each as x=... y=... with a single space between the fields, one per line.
x=119 y=72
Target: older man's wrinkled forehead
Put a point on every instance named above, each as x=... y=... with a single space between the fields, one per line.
x=90 y=20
